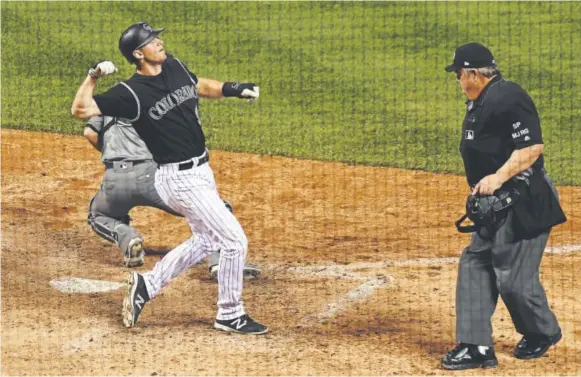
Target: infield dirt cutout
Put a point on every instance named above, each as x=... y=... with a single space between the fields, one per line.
x=359 y=270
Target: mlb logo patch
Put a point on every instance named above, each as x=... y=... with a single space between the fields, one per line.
x=469 y=135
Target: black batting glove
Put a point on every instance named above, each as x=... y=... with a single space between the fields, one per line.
x=249 y=91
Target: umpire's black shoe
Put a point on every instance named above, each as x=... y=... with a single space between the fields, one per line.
x=241 y=325
x=467 y=356
x=135 y=299
x=535 y=345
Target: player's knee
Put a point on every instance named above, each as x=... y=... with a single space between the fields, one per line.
x=237 y=245
x=241 y=242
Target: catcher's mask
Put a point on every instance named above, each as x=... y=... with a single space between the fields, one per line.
x=487 y=210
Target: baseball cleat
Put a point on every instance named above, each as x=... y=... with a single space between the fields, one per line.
x=241 y=325
x=468 y=356
x=214 y=272
x=534 y=345
x=134 y=256
x=251 y=271
x=135 y=299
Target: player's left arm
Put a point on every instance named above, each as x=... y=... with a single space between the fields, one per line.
x=209 y=88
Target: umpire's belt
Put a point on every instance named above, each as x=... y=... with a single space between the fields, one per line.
x=124 y=165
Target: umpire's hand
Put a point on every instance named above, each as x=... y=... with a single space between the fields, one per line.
x=488 y=185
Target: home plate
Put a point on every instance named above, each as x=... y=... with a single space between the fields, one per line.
x=79 y=285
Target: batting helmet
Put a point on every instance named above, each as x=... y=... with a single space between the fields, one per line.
x=135 y=37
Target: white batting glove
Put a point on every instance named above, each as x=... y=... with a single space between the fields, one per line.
x=251 y=94
x=102 y=69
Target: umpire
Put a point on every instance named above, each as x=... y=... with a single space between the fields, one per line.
x=502 y=148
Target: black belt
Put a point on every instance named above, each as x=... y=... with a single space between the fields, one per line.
x=190 y=164
x=109 y=165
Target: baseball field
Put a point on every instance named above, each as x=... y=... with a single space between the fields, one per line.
x=345 y=175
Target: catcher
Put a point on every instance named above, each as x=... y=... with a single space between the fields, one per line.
x=129 y=181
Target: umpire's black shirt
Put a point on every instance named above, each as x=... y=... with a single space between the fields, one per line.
x=163 y=110
x=503 y=118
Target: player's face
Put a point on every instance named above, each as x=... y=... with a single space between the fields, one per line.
x=153 y=52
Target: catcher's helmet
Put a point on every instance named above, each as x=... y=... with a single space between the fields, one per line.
x=135 y=37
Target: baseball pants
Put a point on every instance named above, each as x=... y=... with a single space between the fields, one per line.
x=124 y=186
x=499 y=265
x=193 y=193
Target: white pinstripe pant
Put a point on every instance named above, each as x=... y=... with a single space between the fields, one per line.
x=193 y=193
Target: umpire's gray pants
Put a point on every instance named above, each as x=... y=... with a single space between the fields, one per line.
x=495 y=265
x=124 y=186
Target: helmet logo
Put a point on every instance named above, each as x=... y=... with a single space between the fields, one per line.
x=147 y=27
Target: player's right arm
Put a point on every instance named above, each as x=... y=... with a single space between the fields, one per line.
x=84 y=106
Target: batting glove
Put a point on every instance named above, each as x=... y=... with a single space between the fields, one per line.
x=249 y=91
x=102 y=69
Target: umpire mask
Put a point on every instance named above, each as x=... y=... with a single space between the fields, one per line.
x=488 y=211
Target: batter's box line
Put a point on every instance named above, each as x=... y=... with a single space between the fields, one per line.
x=371 y=284
x=359 y=294
x=344 y=270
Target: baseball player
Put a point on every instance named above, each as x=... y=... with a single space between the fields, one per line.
x=129 y=181
x=161 y=101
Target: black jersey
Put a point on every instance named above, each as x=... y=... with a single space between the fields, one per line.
x=503 y=118
x=163 y=110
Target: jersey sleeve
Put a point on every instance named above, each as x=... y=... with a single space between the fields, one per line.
x=119 y=101
x=95 y=123
x=520 y=117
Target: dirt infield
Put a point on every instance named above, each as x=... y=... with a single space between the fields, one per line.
x=359 y=269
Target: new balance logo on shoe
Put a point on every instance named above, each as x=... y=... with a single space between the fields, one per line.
x=241 y=325
x=134 y=300
x=139 y=301
x=238 y=323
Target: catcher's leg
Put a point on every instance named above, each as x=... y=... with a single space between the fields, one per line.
x=110 y=221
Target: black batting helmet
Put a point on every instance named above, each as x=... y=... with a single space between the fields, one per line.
x=135 y=37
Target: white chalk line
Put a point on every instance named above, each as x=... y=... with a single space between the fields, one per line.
x=81 y=285
x=371 y=284
x=343 y=270
x=563 y=249
x=358 y=294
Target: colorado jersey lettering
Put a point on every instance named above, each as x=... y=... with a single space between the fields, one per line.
x=172 y=100
x=162 y=109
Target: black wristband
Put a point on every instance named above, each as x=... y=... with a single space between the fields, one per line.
x=231 y=89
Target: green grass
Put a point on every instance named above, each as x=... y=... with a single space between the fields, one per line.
x=352 y=81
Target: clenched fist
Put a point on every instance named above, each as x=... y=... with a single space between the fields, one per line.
x=249 y=91
x=102 y=69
